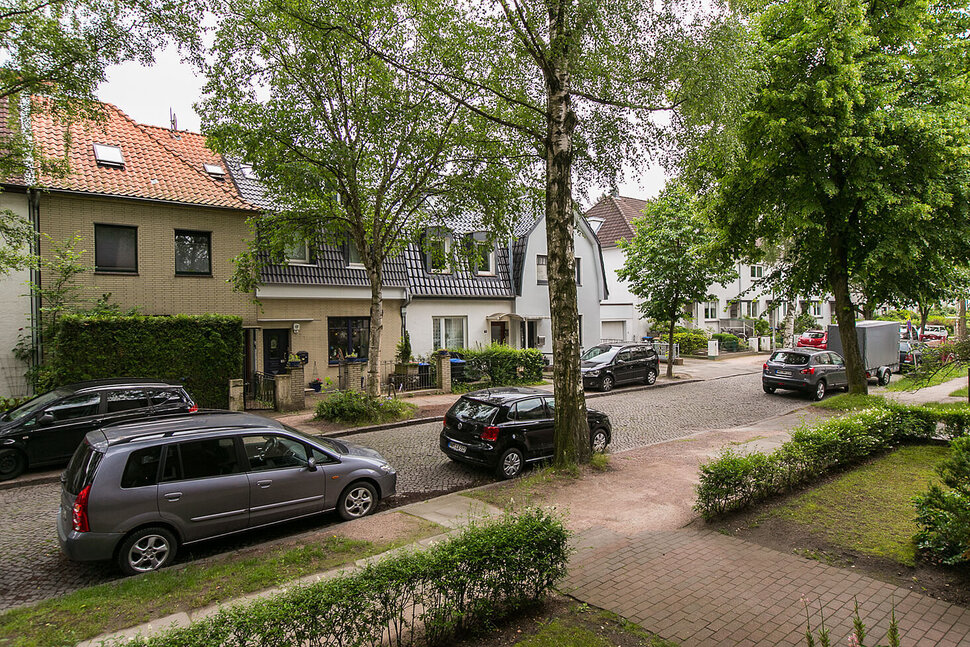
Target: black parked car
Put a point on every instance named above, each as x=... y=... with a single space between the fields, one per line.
x=911 y=354
x=804 y=369
x=47 y=429
x=506 y=428
x=607 y=365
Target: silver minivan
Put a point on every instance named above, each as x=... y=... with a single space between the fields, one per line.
x=137 y=492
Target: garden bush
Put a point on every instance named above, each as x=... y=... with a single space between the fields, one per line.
x=203 y=351
x=728 y=342
x=733 y=480
x=943 y=515
x=689 y=340
x=500 y=364
x=6 y=404
x=357 y=408
x=472 y=580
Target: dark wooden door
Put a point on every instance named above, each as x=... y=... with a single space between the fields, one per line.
x=276 y=348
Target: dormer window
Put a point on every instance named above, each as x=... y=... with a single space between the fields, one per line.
x=215 y=171
x=109 y=156
x=247 y=171
x=354 y=261
x=297 y=254
x=438 y=255
x=484 y=259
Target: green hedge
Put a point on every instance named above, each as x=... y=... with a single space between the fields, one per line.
x=943 y=513
x=500 y=364
x=461 y=584
x=734 y=480
x=358 y=408
x=205 y=350
x=727 y=342
x=689 y=340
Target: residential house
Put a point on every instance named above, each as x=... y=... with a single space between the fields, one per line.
x=730 y=308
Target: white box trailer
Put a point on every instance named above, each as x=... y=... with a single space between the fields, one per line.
x=878 y=345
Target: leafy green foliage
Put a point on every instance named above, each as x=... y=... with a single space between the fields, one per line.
x=204 y=351
x=668 y=264
x=356 y=408
x=943 y=514
x=691 y=341
x=6 y=404
x=502 y=365
x=475 y=578
x=404 y=354
x=727 y=341
x=734 y=480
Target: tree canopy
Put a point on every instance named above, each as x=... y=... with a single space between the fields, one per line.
x=853 y=153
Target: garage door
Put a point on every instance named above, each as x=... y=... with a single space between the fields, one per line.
x=614 y=330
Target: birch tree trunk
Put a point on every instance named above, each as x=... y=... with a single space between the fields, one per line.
x=571 y=426
x=375 y=275
x=961 y=325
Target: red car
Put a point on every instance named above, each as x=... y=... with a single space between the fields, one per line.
x=814 y=339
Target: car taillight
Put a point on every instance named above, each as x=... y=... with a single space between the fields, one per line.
x=808 y=371
x=764 y=367
x=193 y=408
x=490 y=433
x=909 y=358
x=79 y=518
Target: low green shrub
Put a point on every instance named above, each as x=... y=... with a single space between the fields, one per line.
x=733 y=480
x=356 y=408
x=483 y=574
x=728 y=342
x=6 y=404
x=502 y=365
x=943 y=515
x=689 y=340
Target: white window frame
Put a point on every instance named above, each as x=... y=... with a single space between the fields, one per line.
x=757 y=271
x=446 y=244
x=351 y=252
x=298 y=261
x=438 y=337
x=490 y=256
x=817 y=309
x=109 y=155
x=710 y=310
x=542 y=280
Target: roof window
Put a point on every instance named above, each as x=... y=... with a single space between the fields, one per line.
x=215 y=170
x=247 y=171
x=109 y=156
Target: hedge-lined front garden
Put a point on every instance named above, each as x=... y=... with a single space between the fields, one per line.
x=501 y=365
x=735 y=480
x=469 y=581
x=206 y=351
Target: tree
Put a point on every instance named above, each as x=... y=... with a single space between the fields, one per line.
x=60 y=50
x=853 y=151
x=352 y=150
x=576 y=84
x=669 y=263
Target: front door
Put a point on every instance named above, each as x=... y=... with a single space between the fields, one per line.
x=500 y=333
x=276 y=348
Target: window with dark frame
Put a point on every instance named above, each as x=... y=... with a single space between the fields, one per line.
x=542 y=269
x=347 y=337
x=193 y=252
x=579 y=271
x=115 y=248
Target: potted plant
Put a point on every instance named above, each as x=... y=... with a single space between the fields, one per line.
x=316 y=384
x=293 y=361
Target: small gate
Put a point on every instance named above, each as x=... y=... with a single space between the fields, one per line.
x=260 y=392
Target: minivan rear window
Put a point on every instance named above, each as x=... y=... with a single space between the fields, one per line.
x=474 y=410
x=142 y=467
x=794 y=359
x=80 y=471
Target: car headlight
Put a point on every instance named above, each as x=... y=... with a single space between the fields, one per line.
x=593 y=373
x=386 y=467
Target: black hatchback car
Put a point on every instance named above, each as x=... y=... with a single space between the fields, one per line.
x=47 y=429
x=503 y=429
x=607 y=365
x=806 y=369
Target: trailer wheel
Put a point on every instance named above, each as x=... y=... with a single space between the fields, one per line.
x=884 y=377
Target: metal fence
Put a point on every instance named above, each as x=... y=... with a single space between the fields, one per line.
x=414 y=377
x=260 y=392
x=662 y=346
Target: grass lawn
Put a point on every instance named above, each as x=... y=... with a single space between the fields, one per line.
x=868 y=509
x=118 y=605
x=945 y=374
x=959 y=393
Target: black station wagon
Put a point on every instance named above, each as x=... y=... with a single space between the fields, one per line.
x=504 y=429
x=47 y=429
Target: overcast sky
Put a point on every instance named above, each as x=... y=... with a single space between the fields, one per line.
x=147 y=93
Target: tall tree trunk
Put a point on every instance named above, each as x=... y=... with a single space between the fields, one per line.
x=924 y=315
x=789 y=323
x=670 y=346
x=373 y=382
x=571 y=427
x=961 y=325
x=845 y=311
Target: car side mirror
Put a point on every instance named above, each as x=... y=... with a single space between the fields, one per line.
x=46 y=419
x=311 y=465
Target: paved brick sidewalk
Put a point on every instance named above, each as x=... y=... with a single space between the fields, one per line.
x=702 y=588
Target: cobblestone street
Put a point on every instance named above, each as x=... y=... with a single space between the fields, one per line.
x=32 y=568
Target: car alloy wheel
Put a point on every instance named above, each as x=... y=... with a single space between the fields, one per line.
x=357 y=501
x=12 y=464
x=651 y=376
x=820 y=390
x=607 y=384
x=148 y=549
x=598 y=442
x=510 y=464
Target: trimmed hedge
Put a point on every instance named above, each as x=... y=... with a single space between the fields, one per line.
x=943 y=514
x=728 y=342
x=734 y=480
x=690 y=341
x=358 y=408
x=204 y=351
x=463 y=583
x=500 y=364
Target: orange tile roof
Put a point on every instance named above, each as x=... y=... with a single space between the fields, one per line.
x=157 y=166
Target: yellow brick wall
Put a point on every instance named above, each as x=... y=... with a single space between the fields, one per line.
x=313 y=334
x=156 y=290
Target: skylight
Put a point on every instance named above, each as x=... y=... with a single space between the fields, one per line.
x=214 y=170
x=109 y=155
x=247 y=171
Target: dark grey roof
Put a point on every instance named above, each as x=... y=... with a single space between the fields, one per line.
x=458 y=283
x=251 y=189
x=330 y=268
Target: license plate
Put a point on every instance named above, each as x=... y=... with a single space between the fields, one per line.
x=461 y=449
x=783 y=373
